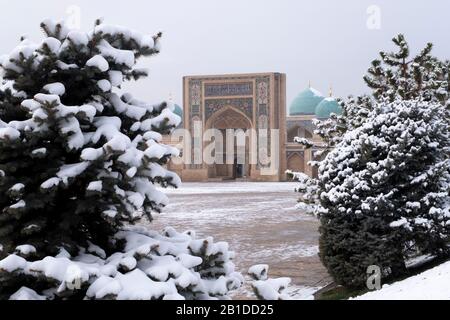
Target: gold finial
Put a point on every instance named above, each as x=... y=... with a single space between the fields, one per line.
x=331 y=91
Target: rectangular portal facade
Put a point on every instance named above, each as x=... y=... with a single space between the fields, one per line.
x=253 y=108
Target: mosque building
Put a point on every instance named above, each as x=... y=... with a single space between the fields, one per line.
x=308 y=105
x=248 y=102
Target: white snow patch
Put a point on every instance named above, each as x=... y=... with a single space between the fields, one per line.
x=18 y=205
x=272 y=289
x=98 y=62
x=50 y=183
x=95 y=186
x=55 y=88
x=259 y=271
x=17 y=187
x=104 y=85
x=433 y=284
x=25 y=293
x=40 y=151
x=9 y=133
x=26 y=249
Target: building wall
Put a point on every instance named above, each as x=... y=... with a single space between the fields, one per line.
x=255 y=101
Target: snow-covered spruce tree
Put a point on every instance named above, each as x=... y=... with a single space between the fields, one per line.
x=79 y=164
x=384 y=192
x=372 y=209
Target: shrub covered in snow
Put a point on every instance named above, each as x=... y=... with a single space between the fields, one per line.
x=384 y=192
x=79 y=162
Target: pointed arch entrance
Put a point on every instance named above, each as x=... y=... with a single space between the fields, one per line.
x=222 y=120
x=296 y=162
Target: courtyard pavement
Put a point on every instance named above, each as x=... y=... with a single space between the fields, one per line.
x=259 y=222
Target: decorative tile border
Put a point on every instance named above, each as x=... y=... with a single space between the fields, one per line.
x=228 y=89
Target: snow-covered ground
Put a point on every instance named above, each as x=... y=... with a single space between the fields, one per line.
x=232 y=187
x=433 y=284
x=259 y=222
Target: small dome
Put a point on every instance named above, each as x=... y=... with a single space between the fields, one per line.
x=327 y=107
x=306 y=102
x=178 y=111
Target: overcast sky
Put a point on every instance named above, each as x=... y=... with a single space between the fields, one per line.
x=327 y=42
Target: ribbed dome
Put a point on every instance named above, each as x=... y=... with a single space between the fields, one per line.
x=328 y=106
x=306 y=102
x=178 y=111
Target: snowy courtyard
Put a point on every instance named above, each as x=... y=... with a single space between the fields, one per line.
x=259 y=222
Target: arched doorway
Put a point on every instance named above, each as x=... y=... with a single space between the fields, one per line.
x=298 y=131
x=235 y=165
x=296 y=162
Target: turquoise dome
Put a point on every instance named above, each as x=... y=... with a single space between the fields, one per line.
x=178 y=111
x=327 y=107
x=306 y=102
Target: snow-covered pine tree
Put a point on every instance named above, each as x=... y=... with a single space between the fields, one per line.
x=384 y=192
x=79 y=164
x=346 y=245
